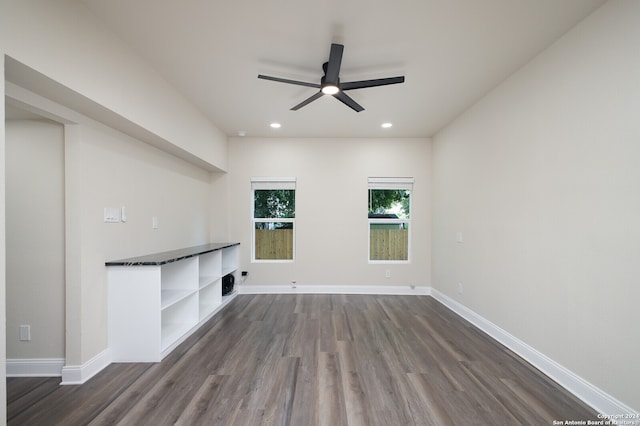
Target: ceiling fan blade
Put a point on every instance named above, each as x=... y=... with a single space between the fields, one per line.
x=307 y=101
x=284 y=80
x=333 y=66
x=371 y=83
x=348 y=101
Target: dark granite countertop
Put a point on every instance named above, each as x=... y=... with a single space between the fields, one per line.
x=170 y=256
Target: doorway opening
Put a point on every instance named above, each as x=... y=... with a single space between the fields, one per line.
x=35 y=243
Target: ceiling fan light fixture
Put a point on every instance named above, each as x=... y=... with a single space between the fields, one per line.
x=330 y=82
x=330 y=89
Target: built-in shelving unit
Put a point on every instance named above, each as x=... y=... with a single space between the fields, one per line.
x=157 y=301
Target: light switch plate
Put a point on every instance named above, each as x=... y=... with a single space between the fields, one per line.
x=111 y=214
x=25 y=333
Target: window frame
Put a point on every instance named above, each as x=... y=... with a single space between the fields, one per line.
x=267 y=183
x=390 y=183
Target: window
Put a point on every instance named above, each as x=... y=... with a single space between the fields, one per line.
x=274 y=212
x=389 y=215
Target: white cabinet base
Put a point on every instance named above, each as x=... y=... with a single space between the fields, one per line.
x=154 y=305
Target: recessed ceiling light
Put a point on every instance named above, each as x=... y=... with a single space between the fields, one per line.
x=275 y=125
x=386 y=125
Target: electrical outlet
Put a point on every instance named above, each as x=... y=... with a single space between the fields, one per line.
x=293 y=284
x=387 y=273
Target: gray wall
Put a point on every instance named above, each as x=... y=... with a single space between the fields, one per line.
x=35 y=238
x=331 y=207
x=542 y=179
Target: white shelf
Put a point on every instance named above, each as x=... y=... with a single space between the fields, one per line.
x=180 y=275
x=172 y=332
x=215 y=308
x=227 y=297
x=154 y=305
x=206 y=310
x=207 y=281
x=230 y=260
x=171 y=297
x=228 y=271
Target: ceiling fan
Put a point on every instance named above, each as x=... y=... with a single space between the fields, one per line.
x=330 y=83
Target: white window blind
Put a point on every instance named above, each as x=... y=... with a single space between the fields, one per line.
x=403 y=183
x=258 y=183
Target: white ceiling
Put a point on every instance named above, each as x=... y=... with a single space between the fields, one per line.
x=450 y=51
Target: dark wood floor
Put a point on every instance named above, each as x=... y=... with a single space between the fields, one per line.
x=313 y=360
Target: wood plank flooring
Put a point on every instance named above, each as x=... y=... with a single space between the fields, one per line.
x=313 y=360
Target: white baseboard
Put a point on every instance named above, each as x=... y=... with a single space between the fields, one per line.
x=591 y=395
x=78 y=374
x=334 y=289
x=37 y=367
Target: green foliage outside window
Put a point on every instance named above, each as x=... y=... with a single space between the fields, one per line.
x=274 y=204
x=389 y=201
